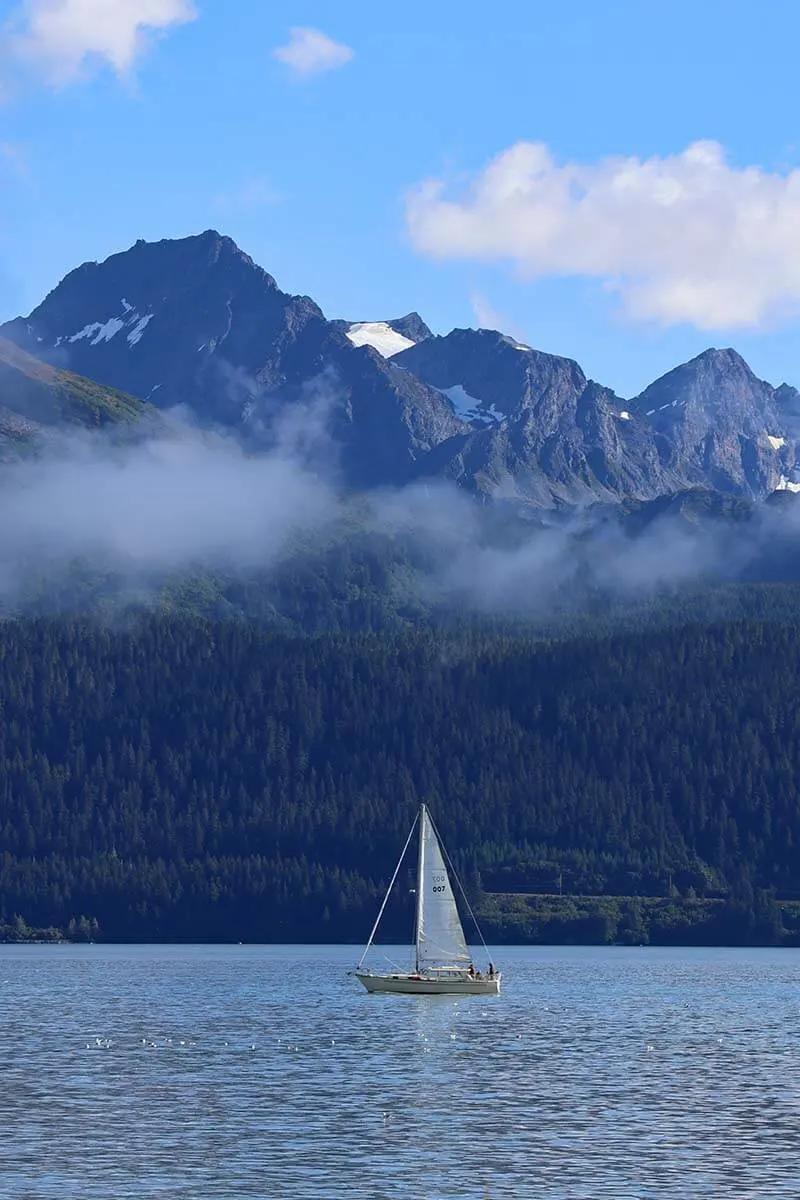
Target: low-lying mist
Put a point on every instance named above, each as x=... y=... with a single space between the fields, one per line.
x=143 y=512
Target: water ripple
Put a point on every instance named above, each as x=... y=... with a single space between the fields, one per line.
x=240 y=1072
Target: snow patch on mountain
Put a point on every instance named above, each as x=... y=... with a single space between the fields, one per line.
x=468 y=408
x=624 y=416
x=99 y=332
x=513 y=343
x=785 y=485
x=380 y=336
x=104 y=331
x=776 y=442
x=461 y=401
x=136 y=333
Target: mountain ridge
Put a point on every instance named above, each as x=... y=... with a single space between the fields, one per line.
x=196 y=323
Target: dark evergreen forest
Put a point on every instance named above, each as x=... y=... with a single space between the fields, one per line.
x=182 y=778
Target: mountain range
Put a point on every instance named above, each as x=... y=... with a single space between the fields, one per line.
x=195 y=324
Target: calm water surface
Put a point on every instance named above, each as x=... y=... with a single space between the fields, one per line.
x=241 y=1071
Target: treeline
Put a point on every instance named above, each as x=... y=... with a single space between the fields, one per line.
x=183 y=779
x=635 y=921
x=350 y=580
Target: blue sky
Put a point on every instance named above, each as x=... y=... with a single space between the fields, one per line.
x=628 y=266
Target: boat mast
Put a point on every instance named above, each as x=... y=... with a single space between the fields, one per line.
x=423 y=816
x=388 y=893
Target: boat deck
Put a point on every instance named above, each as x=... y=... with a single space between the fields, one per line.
x=448 y=984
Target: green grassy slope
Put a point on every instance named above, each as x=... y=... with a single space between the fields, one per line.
x=35 y=395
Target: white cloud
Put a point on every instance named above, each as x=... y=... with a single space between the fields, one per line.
x=310 y=52
x=177 y=498
x=684 y=238
x=488 y=317
x=59 y=38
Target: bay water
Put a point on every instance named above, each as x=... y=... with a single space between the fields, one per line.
x=235 y=1072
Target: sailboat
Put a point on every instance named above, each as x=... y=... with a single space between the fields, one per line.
x=442 y=963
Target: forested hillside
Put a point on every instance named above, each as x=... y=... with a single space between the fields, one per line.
x=183 y=779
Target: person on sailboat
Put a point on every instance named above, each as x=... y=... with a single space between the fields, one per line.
x=471 y=971
x=491 y=970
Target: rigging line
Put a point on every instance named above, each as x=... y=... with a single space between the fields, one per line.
x=388 y=893
x=449 y=862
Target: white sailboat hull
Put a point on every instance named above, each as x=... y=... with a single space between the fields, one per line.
x=443 y=961
x=430 y=986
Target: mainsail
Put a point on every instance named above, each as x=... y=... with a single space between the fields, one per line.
x=440 y=938
x=443 y=964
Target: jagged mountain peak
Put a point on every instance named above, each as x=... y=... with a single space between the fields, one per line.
x=130 y=320
x=489 y=376
x=493 y=341
x=722 y=424
x=209 y=246
x=411 y=326
x=174 y=273
x=145 y=261
x=387 y=337
x=719 y=383
x=724 y=360
x=195 y=321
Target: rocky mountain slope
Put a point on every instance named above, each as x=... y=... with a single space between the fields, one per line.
x=544 y=430
x=196 y=323
x=720 y=425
